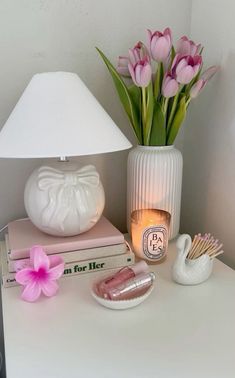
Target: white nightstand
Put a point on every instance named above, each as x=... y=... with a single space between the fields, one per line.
x=180 y=331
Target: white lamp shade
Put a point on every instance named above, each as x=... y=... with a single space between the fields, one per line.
x=58 y=116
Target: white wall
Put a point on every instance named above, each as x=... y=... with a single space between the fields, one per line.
x=209 y=145
x=49 y=35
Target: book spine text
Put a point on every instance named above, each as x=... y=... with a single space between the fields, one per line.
x=82 y=267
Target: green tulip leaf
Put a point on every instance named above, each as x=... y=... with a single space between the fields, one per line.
x=158 y=130
x=158 y=80
x=177 y=121
x=173 y=53
x=126 y=97
x=135 y=94
x=149 y=114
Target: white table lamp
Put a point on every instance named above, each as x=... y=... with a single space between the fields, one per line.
x=57 y=116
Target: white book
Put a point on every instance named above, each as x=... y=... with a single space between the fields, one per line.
x=74 y=268
x=69 y=257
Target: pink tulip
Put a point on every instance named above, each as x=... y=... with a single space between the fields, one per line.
x=169 y=85
x=186 y=67
x=185 y=46
x=138 y=53
x=41 y=274
x=209 y=73
x=159 y=44
x=122 y=66
x=196 y=88
x=200 y=84
x=141 y=72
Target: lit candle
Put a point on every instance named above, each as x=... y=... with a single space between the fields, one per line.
x=149 y=233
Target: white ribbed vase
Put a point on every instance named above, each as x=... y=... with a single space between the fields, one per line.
x=154 y=181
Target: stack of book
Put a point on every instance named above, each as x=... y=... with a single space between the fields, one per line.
x=102 y=247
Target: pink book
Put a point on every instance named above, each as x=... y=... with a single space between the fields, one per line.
x=23 y=235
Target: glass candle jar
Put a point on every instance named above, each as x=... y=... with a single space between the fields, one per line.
x=149 y=233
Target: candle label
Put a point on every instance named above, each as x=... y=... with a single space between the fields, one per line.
x=155 y=242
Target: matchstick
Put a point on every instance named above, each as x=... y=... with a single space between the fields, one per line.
x=204 y=245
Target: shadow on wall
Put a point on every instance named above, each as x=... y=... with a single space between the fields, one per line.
x=209 y=151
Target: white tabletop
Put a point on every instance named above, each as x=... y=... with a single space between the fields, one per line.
x=179 y=331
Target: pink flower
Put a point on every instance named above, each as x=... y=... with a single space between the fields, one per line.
x=122 y=66
x=186 y=67
x=138 y=53
x=209 y=73
x=200 y=84
x=185 y=46
x=141 y=72
x=41 y=275
x=159 y=44
x=169 y=85
x=196 y=88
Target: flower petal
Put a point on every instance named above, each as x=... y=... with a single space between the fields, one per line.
x=162 y=49
x=39 y=258
x=132 y=72
x=24 y=276
x=196 y=88
x=31 y=292
x=181 y=65
x=145 y=74
x=175 y=62
x=168 y=32
x=49 y=288
x=185 y=75
x=55 y=260
x=132 y=56
x=183 y=46
x=56 y=272
x=122 y=66
x=170 y=88
x=138 y=69
x=123 y=71
x=149 y=37
x=209 y=73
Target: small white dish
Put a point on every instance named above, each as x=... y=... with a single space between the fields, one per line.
x=122 y=304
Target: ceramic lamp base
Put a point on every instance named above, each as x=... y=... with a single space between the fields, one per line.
x=64 y=200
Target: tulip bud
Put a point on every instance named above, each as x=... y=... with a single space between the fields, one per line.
x=169 y=85
x=186 y=67
x=196 y=88
x=209 y=73
x=185 y=46
x=141 y=72
x=200 y=84
x=137 y=53
x=122 y=66
x=159 y=44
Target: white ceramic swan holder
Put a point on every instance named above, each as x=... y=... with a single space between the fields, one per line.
x=194 y=261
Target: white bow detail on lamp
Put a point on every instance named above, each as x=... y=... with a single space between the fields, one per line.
x=57 y=116
x=67 y=198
